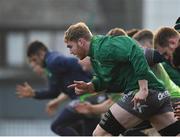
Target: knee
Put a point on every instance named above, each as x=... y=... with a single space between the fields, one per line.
x=53 y=127
x=109 y=126
x=95 y=133
x=100 y=132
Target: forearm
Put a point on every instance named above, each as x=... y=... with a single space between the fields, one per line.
x=46 y=94
x=141 y=94
x=61 y=98
x=143 y=85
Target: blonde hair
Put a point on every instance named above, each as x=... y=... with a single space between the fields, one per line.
x=76 y=31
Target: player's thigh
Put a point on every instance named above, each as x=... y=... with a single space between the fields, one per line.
x=125 y=118
x=162 y=120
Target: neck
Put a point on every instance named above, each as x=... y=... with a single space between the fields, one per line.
x=87 y=47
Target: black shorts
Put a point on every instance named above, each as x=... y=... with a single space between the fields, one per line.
x=156 y=103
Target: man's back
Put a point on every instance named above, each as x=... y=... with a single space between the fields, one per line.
x=61 y=72
x=120 y=60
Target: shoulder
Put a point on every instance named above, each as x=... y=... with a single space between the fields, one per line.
x=54 y=58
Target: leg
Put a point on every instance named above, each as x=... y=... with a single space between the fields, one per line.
x=89 y=124
x=162 y=120
x=137 y=130
x=63 y=125
x=165 y=121
x=166 y=124
x=99 y=131
x=126 y=119
x=115 y=122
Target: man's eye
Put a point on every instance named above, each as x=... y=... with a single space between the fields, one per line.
x=68 y=46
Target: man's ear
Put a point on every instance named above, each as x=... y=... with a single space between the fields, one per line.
x=81 y=42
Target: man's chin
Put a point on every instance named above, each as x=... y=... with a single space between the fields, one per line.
x=80 y=57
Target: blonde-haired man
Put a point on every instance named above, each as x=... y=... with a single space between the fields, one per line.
x=125 y=66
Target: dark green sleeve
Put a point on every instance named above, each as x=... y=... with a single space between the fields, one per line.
x=98 y=83
x=139 y=62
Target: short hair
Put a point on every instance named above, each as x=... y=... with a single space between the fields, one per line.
x=132 y=32
x=162 y=36
x=116 y=32
x=143 y=35
x=35 y=47
x=76 y=31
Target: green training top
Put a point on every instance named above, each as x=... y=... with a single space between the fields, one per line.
x=162 y=75
x=118 y=60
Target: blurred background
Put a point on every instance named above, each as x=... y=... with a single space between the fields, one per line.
x=22 y=21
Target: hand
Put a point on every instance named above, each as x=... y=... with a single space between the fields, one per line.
x=52 y=106
x=25 y=91
x=83 y=108
x=82 y=87
x=177 y=110
x=141 y=95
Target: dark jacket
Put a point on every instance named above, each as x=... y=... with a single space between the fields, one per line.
x=62 y=71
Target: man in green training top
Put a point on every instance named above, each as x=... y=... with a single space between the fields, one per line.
x=123 y=65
